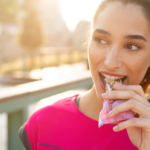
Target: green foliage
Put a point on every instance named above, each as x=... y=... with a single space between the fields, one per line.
x=8 y=11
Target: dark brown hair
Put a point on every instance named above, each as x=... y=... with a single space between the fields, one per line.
x=145 y=6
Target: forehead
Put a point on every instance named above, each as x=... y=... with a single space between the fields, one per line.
x=124 y=19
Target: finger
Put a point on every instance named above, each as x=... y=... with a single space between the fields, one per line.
x=136 y=88
x=126 y=95
x=134 y=122
x=132 y=105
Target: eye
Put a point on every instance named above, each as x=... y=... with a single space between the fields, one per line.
x=100 y=40
x=132 y=47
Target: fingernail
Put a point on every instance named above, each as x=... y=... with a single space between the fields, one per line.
x=115 y=128
x=105 y=94
x=118 y=85
x=110 y=114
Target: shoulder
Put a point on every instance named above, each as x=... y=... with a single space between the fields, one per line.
x=49 y=116
x=56 y=108
x=61 y=105
x=24 y=138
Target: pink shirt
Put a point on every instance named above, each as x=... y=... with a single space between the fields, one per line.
x=63 y=126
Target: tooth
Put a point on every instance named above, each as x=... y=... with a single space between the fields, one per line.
x=107 y=80
x=107 y=76
x=113 y=78
x=110 y=77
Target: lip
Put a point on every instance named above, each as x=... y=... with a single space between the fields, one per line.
x=111 y=74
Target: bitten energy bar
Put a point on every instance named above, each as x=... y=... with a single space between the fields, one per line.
x=108 y=105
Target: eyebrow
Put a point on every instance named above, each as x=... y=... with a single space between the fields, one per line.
x=102 y=31
x=139 y=37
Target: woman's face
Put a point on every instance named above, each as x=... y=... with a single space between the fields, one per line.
x=119 y=45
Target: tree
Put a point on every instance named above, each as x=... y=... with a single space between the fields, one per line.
x=32 y=34
x=9 y=10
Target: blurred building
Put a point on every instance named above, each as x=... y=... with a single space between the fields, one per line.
x=9 y=49
x=81 y=33
x=55 y=30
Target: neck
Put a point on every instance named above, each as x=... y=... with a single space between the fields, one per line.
x=90 y=104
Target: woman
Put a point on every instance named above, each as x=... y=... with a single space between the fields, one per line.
x=119 y=46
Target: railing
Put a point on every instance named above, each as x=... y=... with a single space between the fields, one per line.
x=15 y=101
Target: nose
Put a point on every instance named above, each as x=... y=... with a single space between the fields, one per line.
x=113 y=60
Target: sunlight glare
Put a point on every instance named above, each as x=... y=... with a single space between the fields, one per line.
x=74 y=11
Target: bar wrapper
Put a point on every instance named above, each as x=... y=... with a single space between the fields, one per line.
x=108 y=105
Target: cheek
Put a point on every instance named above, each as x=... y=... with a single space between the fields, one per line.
x=137 y=70
x=95 y=55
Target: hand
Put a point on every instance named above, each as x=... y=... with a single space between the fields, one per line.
x=138 y=128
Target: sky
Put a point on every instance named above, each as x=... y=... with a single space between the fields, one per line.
x=75 y=10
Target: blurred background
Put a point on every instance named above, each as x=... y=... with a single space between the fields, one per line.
x=43 y=58
x=38 y=34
